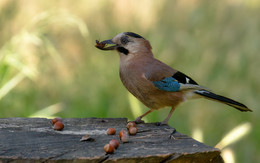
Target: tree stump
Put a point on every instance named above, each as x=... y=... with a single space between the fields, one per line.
x=34 y=140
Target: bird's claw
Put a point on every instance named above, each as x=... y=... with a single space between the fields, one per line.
x=172 y=134
x=139 y=120
x=160 y=123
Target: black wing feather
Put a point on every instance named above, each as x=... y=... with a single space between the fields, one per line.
x=184 y=79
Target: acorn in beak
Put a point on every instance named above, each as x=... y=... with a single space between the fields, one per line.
x=104 y=45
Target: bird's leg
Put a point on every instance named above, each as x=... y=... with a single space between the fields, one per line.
x=139 y=119
x=165 y=122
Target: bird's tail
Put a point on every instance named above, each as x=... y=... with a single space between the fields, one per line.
x=225 y=100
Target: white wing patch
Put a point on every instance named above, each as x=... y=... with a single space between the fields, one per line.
x=187 y=80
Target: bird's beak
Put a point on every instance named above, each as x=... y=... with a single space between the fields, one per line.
x=103 y=45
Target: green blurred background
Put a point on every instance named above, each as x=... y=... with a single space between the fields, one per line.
x=50 y=67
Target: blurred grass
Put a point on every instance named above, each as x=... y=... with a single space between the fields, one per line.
x=48 y=60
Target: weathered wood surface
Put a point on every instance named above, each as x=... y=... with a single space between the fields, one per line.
x=34 y=140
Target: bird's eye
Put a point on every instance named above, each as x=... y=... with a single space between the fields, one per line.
x=124 y=40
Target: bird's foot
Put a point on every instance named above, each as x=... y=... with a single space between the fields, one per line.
x=172 y=134
x=138 y=120
x=161 y=123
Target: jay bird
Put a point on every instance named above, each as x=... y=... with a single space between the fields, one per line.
x=153 y=82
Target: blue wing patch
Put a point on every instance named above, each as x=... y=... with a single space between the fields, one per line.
x=168 y=84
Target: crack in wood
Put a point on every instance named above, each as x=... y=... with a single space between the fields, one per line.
x=59 y=155
x=168 y=158
x=105 y=158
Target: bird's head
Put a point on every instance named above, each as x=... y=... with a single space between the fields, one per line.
x=126 y=43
